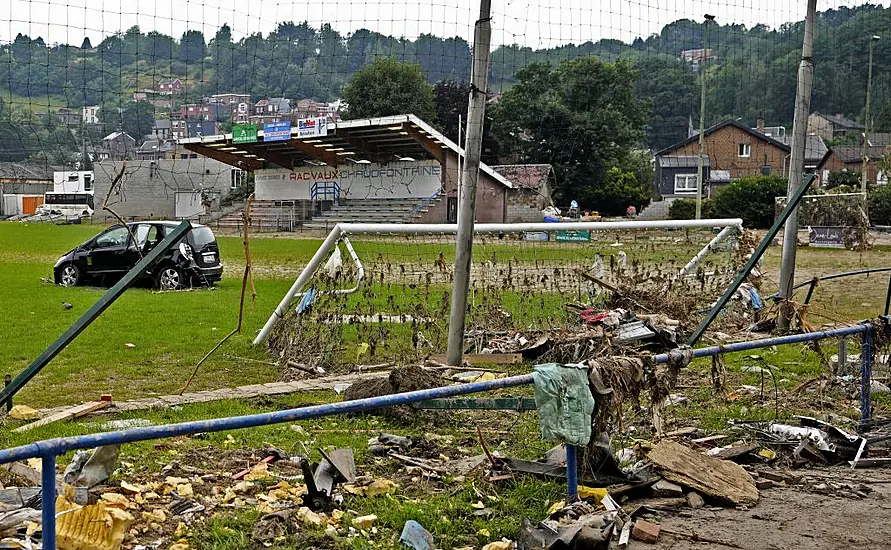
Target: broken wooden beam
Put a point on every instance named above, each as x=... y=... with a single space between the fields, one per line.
x=69 y=414
x=485 y=358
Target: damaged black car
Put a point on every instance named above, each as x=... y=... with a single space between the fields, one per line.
x=104 y=259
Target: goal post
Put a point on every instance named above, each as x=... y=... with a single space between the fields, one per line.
x=341 y=232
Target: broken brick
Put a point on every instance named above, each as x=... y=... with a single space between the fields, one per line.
x=645 y=531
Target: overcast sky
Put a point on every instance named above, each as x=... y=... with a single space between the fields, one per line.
x=534 y=23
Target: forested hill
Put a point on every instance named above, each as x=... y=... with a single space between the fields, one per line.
x=754 y=74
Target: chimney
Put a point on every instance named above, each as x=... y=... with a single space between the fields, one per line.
x=759 y=125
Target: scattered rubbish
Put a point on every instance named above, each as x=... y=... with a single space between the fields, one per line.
x=503 y=544
x=130 y=346
x=97 y=526
x=485 y=358
x=91 y=469
x=272 y=454
x=695 y=500
x=877 y=387
x=374 y=488
x=66 y=305
x=341 y=387
x=645 y=531
x=564 y=403
x=12 y=520
x=24 y=412
x=666 y=489
x=415 y=536
x=365 y=522
x=126 y=424
x=719 y=479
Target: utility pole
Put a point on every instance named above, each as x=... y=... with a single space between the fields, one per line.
x=699 y=169
x=467 y=193
x=864 y=172
x=796 y=165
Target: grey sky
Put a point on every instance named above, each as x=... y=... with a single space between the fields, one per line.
x=534 y=23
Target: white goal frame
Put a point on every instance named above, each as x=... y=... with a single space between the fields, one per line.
x=729 y=226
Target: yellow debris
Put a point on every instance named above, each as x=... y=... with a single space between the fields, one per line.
x=365 y=522
x=170 y=480
x=311 y=518
x=559 y=505
x=260 y=471
x=596 y=493
x=94 y=527
x=155 y=515
x=243 y=486
x=185 y=490
x=130 y=488
x=767 y=453
x=116 y=500
x=503 y=544
x=478 y=505
x=24 y=412
x=484 y=533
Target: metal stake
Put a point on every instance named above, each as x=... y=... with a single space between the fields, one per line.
x=572 y=474
x=796 y=166
x=470 y=176
x=866 y=377
x=48 y=500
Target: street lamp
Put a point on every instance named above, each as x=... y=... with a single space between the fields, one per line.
x=702 y=114
x=865 y=151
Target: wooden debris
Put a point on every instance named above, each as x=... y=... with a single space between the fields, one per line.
x=719 y=479
x=485 y=358
x=70 y=414
x=737 y=451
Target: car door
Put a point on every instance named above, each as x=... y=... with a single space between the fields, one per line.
x=108 y=252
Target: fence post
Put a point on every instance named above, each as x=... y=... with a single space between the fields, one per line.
x=572 y=474
x=888 y=297
x=866 y=377
x=48 y=501
x=842 y=367
x=6 y=380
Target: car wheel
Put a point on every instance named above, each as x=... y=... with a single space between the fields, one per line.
x=69 y=275
x=170 y=278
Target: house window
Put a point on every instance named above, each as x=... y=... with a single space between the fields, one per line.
x=88 y=182
x=744 y=150
x=237 y=178
x=765 y=170
x=881 y=178
x=684 y=184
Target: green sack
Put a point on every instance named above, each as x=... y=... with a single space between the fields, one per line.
x=564 y=403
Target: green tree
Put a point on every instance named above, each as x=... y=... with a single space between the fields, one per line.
x=752 y=199
x=582 y=117
x=618 y=191
x=451 y=100
x=389 y=87
x=192 y=47
x=86 y=44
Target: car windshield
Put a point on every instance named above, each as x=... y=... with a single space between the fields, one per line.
x=201 y=237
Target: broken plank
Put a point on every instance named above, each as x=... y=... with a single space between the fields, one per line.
x=69 y=414
x=485 y=358
x=719 y=479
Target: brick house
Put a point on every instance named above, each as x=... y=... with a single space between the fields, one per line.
x=831 y=127
x=238 y=106
x=850 y=159
x=119 y=146
x=203 y=111
x=732 y=151
x=170 y=86
x=531 y=191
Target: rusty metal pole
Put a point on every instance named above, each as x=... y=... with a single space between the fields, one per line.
x=470 y=175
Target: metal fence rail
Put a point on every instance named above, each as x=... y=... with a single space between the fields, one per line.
x=49 y=449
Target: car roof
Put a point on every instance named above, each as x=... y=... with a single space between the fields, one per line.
x=167 y=223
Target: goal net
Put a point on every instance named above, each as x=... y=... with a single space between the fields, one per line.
x=379 y=293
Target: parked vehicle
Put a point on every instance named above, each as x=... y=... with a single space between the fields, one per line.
x=108 y=256
x=66 y=204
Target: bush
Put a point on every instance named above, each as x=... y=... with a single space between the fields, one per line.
x=619 y=191
x=751 y=199
x=842 y=178
x=880 y=206
x=685 y=209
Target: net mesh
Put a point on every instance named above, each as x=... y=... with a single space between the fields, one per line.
x=520 y=288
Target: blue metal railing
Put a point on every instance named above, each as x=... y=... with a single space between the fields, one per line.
x=326 y=190
x=49 y=449
x=423 y=204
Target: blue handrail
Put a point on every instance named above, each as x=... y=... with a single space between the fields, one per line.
x=322 y=190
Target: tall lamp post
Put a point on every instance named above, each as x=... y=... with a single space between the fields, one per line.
x=702 y=114
x=865 y=152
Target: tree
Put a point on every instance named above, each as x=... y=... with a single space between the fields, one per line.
x=582 y=117
x=451 y=100
x=192 y=47
x=619 y=191
x=389 y=87
x=86 y=44
x=753 y=199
